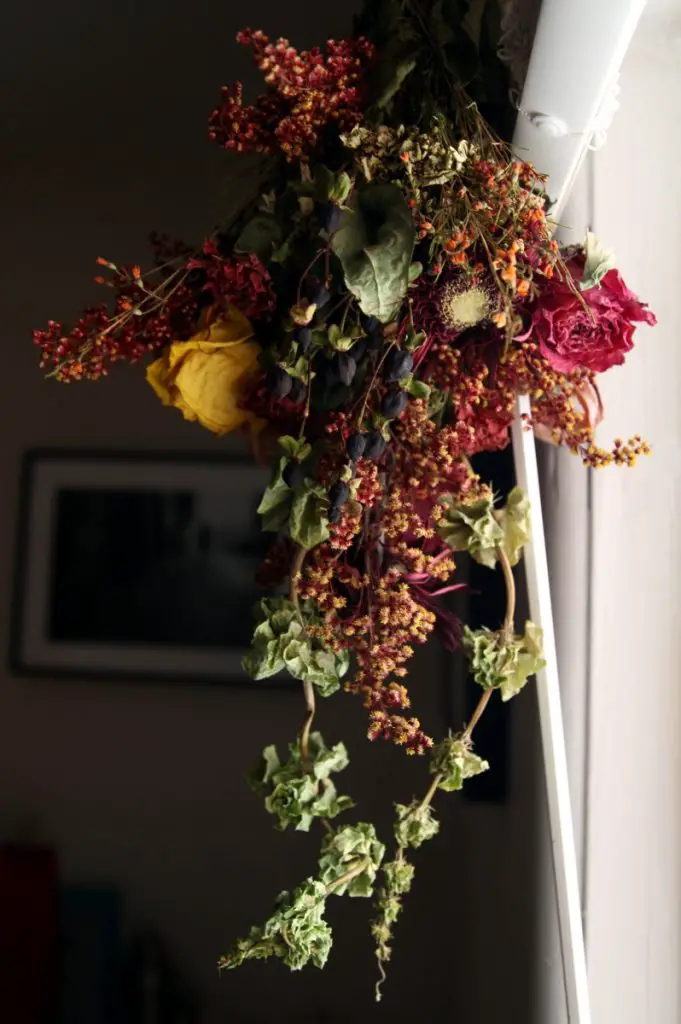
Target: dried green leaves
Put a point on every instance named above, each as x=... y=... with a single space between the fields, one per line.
x=296 y=932
x=346 y=850
x=456 y=762
x=298 y=791
x=398 y=876
x=481 y=529
x=415 y=824
x=374 y=245
x=281 y=641
x=501 y=663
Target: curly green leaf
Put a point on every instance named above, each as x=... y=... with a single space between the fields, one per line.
x=345 y=848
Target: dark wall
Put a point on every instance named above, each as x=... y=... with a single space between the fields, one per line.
x=103 y=138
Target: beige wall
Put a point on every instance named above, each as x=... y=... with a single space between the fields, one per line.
x=142 y=784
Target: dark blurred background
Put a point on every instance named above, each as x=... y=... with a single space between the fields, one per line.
x=123 y=809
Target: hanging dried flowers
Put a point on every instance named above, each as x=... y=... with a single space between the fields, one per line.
x=375 y=315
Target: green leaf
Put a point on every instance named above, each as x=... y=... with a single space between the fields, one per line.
x=472 y=528
x=399 y=876
x=275 y=505
x=486 y=655
x=456 y=761
x=261 y=235
x=415 y=824
x=514 y=520
x=341 y=188
x=598 y=262
x=374 y=245
x=308 y=522
x=504 y=665
x=296 y=932
x=326 y=669
x=528 y=660
x=281 y=641
x=296 y=791
x=415 y=271
x=343 y=850
x=289 y=445
x=418 y=388
x=413 y=339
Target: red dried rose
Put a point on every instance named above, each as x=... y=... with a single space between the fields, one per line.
x=593 y=330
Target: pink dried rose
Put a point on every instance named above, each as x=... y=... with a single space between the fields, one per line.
x=592 y=329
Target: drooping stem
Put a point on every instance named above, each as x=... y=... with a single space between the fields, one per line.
x=432 y=790
x=355 y=869
x=308 y=688
x=509 y=617
x=508 y=629
x=308 y=693
x=477 y=714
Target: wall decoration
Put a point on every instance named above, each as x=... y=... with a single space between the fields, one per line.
x=138 y=565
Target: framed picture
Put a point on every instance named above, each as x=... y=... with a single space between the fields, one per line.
x=137 y=565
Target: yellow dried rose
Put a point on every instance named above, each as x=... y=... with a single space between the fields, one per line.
x=204 y=377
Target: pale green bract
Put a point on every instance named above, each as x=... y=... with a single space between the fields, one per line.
x=374 y=245
x=415 y=824
x=342 y=850
x=514 y=519
x=296 y=932
x=486 y=656
x=472 y=528
x=454 y=759
x=504 y=665
x=598 y=262
x=528 y=659
x=280 y=641
x=297 y=792
x=481 y=530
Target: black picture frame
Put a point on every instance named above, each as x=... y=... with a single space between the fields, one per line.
x=137 y=565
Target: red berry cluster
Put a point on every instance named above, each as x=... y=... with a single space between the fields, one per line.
x=308 y=89
x=145 y=317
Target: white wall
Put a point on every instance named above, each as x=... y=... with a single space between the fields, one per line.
x=618 y=618
x=634 y=820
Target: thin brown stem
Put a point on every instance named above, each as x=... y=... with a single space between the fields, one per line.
x=308 y=693
x=355 y=869
x=508 y=629
x=477 y=714
x=509 y=618
x=294 y=576
x=371 y=385
x=432 y=790
x=308 y=688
